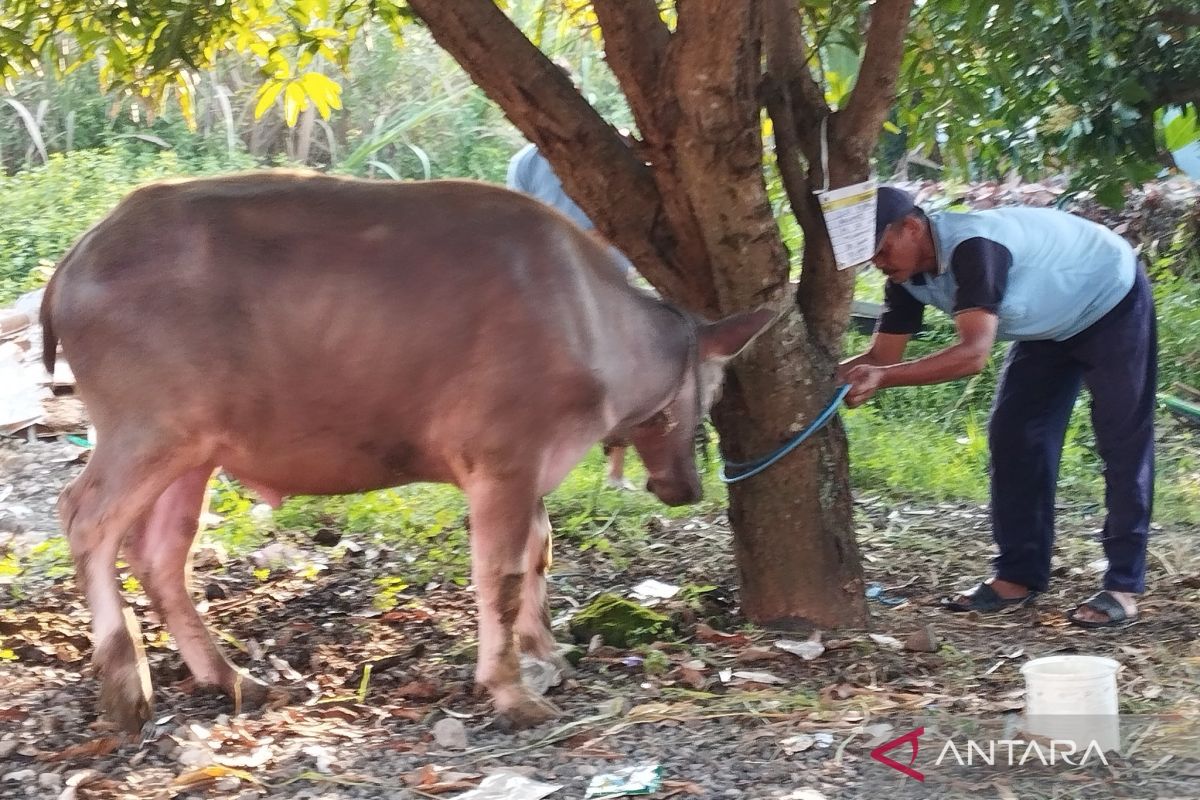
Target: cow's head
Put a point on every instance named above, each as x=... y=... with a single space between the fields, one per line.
x=666 y=440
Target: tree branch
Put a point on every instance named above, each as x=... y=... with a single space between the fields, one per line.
x=1178 y=92
x=824 y=293
x=794 y=102
x=787 y=58
x=597 y=169
x=635 y=43
x=1179 y=16
x=717 y=147
x=857 y=124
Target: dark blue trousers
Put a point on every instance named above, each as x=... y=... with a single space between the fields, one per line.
x=1117 y=359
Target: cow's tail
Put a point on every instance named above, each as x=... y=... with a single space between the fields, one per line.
x=46 y=316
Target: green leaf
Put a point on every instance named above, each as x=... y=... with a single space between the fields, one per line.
x=1111 y=193
x=1182 y=130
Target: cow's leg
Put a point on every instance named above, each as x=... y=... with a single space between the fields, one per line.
x=533 y=623
x=501 y=521
x=112 y=494
x=159 y=552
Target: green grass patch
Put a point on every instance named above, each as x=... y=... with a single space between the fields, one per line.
x=426 y=523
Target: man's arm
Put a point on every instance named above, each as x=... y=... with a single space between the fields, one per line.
x=976 y=335
x=885 y=349
x=901 y=318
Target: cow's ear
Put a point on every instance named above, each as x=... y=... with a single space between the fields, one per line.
x=726 y=338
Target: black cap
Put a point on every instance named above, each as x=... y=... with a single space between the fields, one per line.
x=891 y=204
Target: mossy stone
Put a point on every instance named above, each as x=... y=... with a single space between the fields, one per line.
x=619 y=622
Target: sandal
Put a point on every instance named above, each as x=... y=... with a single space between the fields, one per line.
x=983 y=598
x=1108 y=605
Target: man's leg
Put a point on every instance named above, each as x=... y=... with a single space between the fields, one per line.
x=1120 y=354
x=1034 y=399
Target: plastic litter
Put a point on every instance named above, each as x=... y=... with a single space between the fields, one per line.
x=638 y=780
x=509 y=786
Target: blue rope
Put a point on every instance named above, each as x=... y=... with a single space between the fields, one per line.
x=752 y=468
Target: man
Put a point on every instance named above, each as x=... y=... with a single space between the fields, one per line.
x=1072 y=296
x=530 y=172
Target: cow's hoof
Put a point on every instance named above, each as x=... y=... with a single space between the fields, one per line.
x=126 y=701
x=527 y=712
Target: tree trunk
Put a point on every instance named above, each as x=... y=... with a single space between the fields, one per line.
x=798 y=562
x=689 y=206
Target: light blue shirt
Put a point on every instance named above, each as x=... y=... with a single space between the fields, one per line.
x=1067 y=272
x=530 y=172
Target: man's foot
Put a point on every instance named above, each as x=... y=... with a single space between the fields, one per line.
x=1106 y=609
x=993 y=594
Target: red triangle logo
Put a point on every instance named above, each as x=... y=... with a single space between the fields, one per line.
x=912 y=737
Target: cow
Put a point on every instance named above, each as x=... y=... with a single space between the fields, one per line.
x=318 y=335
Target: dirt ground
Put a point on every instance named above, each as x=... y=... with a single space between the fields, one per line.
x=413 y=727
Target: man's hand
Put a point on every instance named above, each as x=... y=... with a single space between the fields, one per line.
x=864 y=380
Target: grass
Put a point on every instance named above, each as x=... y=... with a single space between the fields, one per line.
x=425 y=524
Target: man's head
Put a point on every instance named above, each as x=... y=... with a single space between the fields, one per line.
x=903 y=241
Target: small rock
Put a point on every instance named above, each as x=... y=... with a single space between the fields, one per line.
x=227 y=784
x=83 y=776
x=195 y=757
x=261 y=512
x=214 y=591
x=8 y=747
x=20 y=776
x=322 y=755
x=540 y=676
x=450 y=733
x=922 y=640
x=50 y=780
x=327 y=537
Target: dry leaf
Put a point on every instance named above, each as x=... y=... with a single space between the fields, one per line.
x=684 y=787
x=420 y=690
x=692 y=677
x=90 y=749
x=254 y=759
x=797 y=744
x=211 y=773
x=710 y=635
x=736 y=677
x=753 y=655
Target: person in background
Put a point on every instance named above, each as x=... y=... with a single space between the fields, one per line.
x=1077 y=303
x=529 y=172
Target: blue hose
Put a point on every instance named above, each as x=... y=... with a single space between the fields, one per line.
x=749 y=469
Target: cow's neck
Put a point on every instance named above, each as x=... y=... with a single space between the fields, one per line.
x=661 y=361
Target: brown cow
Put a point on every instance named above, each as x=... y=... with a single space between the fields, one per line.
x=320 y=335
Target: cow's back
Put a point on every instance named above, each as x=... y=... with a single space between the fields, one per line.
x=269 y=317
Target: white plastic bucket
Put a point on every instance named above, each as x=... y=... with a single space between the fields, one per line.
x=1073 y=698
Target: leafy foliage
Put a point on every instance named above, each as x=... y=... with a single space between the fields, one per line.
x=1043 y=85
x=44 y=209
